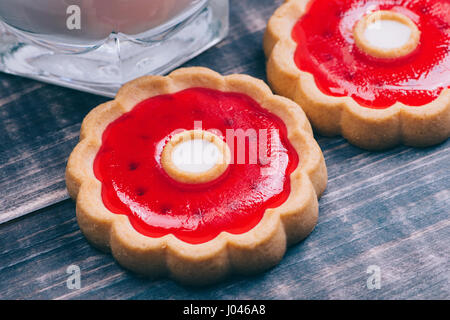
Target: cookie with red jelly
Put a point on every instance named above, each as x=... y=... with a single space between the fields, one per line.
x=376 y=72
x=196 y=175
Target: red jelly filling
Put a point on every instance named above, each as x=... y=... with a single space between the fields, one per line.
x=134 y=183
x=326 y=48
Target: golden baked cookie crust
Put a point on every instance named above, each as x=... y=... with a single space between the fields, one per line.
x=365 y=46
x=258 y=249
x=189 y=177
x=372 y=129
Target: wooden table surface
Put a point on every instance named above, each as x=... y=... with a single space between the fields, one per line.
x=386 y=209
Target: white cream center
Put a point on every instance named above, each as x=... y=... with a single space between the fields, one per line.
x=195 y=156
x=387 y=34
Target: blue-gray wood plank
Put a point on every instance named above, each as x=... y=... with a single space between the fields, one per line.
x=389 y=209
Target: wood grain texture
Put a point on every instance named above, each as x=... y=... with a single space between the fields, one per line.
x=39 y=126
x=389 y=209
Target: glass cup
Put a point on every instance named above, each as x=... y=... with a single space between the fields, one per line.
x=97 y=45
